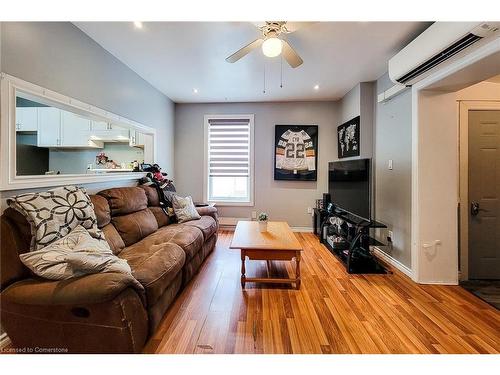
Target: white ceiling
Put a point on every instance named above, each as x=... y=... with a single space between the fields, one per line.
x=176 y=57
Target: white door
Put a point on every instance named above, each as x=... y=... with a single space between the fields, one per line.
x=49 y=124
x=75 y=130
x=27 y=119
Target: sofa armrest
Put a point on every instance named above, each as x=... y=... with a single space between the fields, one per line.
x=98 y=313
x=93 y=288
x=208 y=211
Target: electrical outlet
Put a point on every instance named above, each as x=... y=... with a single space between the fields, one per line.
x=389 y=165
x=254 y=214
x=309 y=210
x=390 y=235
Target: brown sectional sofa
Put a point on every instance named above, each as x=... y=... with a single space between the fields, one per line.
x=105 y=312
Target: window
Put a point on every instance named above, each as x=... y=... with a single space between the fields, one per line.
x=229 y=160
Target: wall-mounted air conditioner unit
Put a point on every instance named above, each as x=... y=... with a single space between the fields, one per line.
x=439 y=43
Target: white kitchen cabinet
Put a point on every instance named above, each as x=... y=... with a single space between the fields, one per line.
x=75 y=130
x=100 y=125
x=148 y=148
x=49 y=127
x=137 y=139
x=27 y=119
x=102 y=131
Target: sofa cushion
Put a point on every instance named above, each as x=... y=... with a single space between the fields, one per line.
x=125 y=200
x=161 y=217
x=155 y=266
x=152 y=195
x=135 y=226
x=190 y=239
x=206 y=224
x=101 y=209
x=113 y=237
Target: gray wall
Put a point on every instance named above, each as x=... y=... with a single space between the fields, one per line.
x=392 y=135
x=359 y=101
x=59 y=56
x=283 y=200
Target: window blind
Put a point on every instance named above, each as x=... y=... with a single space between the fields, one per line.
x=228 y=148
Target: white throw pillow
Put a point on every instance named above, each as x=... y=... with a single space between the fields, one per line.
x=184 y=209
x=76 y=254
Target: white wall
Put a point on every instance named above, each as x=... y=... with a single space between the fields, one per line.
x=435 y=187
x=283 y=200
x=480 y=91
x=437 y=260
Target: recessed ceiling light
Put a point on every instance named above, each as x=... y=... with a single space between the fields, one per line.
x=316 y=87
x=195 y=91
x=138 y=24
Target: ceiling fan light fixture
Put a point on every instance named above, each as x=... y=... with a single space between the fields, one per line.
x=272 y=47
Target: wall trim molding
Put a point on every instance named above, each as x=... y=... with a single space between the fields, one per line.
x=302 y=229
x=393 y=262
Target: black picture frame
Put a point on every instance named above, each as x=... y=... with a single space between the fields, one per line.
x=302 y=152
x=348 y=138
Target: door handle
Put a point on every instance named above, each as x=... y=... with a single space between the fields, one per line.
x=474 y=208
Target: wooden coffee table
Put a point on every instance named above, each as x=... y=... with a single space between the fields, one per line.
x=278 y=243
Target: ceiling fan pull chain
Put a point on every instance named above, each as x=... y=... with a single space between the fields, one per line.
x=264 y=91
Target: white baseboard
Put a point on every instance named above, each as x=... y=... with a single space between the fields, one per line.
x=438 y=282
x=302 y=229
x=231 y=221
x=393 y=262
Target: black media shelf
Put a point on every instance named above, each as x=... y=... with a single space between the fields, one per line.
x=349 y=240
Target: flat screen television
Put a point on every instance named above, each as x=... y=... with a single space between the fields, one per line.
x=349 y=185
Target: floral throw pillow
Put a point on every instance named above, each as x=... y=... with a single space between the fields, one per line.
x=54 y=213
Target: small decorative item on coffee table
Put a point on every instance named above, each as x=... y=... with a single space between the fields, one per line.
x=263 y=217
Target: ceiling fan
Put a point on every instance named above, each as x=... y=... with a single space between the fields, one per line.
x=272 y=43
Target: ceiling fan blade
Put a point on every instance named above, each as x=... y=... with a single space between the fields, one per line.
x=291 y=57
x=294 y=26
x=259 y=24
x=245 y=50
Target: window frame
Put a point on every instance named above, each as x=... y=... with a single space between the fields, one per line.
x=206 y=161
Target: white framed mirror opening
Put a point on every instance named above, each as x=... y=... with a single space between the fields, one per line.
x=49 y=139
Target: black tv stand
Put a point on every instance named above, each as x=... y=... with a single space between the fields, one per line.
x=349 y=240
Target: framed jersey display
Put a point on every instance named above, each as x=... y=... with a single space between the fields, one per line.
x=296 y=152
x=348 y=138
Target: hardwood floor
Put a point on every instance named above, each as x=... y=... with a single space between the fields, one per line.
x=333 y=312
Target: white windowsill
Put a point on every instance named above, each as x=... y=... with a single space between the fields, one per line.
x=233 y=204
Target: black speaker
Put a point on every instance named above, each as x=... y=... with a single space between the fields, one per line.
x=326 y=199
